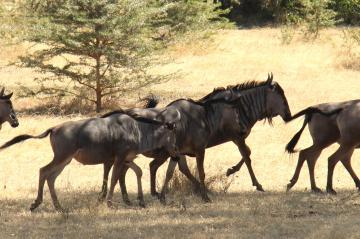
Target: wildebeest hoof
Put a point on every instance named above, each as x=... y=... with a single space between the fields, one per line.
x=229 y=172
x=142 y=204
x=331 y=191
x=101 y=198
x=162 y=200
x=316 y=190
x=34 y=205
x=260 y=188
x=206 y=199
x=127 y=202
x=109 y=204
x=289 y=186
x=155 y=194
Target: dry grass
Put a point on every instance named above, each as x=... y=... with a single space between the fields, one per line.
x=309 y=72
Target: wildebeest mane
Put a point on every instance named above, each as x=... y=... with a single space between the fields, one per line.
x=239 y=87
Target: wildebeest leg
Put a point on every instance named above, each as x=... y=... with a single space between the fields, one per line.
x=122 y=182
x=119 y=162
x=235 y=168
x=107 y=167
x=138 y=173
x=347 y=164
x=311 y=154
x=51 y=183
x=154 y=165
x=200 y=166
x=183 y=167
x=44 y=173
x=246 y=152
x=342 y=152
x=169 y=174
x=311 y=159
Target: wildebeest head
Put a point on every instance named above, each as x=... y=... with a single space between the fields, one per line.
x=169 y=118
x=7 y=112
x=276 y=102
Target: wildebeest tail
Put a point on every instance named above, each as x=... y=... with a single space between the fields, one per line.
x=291 y=145
x=308 y=112
x=24 y=137
x=151 y=101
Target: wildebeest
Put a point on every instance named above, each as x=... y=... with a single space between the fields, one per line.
x=120 y=135
x=226 y=114
x=7 y=112
x=328 y=123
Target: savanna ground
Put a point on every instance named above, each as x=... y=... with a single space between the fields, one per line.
x=309 y=72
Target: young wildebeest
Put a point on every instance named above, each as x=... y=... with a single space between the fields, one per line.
x=328 y=123
x=7 y=112
x=221 y=116
x=121 y=135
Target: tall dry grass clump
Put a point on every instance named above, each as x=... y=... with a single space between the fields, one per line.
x=351 y=49
x=215 y=182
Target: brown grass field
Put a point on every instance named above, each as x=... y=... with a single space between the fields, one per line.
x=309 y=72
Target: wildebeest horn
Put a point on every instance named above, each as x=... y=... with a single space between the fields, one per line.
x=7 y=97
x=2 y=91
x=269 y=79
x=178 y=116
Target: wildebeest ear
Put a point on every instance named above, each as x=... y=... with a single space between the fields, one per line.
x=2 y=91
x=170 y=126
x=7 y=97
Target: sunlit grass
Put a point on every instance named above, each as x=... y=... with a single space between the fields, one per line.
x=309 y=72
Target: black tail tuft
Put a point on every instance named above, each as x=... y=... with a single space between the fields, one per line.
x=308 y=112
x=151 y=101
x=291 y=145
x=295 y=139
x=16 y=140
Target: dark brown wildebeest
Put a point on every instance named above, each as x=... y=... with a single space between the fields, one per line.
x=328 y=123
x=7 y=112
x=121 y=135
x=226 y=114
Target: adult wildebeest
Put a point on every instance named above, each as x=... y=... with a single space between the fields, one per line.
x=226 y=114
x=7 y=112
x=121 y=135
x=328 y=123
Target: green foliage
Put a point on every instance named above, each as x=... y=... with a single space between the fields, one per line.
x=308 y=16
x=104 y=48
x=318 y=15
x=347 y=10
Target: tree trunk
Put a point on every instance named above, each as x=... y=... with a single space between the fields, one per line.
x=98 y=86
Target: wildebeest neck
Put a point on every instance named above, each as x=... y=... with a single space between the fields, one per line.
x=245 y=107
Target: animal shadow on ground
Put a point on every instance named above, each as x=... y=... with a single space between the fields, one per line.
x=251 y=214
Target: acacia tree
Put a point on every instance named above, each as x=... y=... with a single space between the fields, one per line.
x=102 y=46
x=93 y=49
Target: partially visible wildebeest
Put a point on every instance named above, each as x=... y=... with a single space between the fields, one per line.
x=328 y=123
x=226 y=114
x=7 y=112
x=121 y=136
